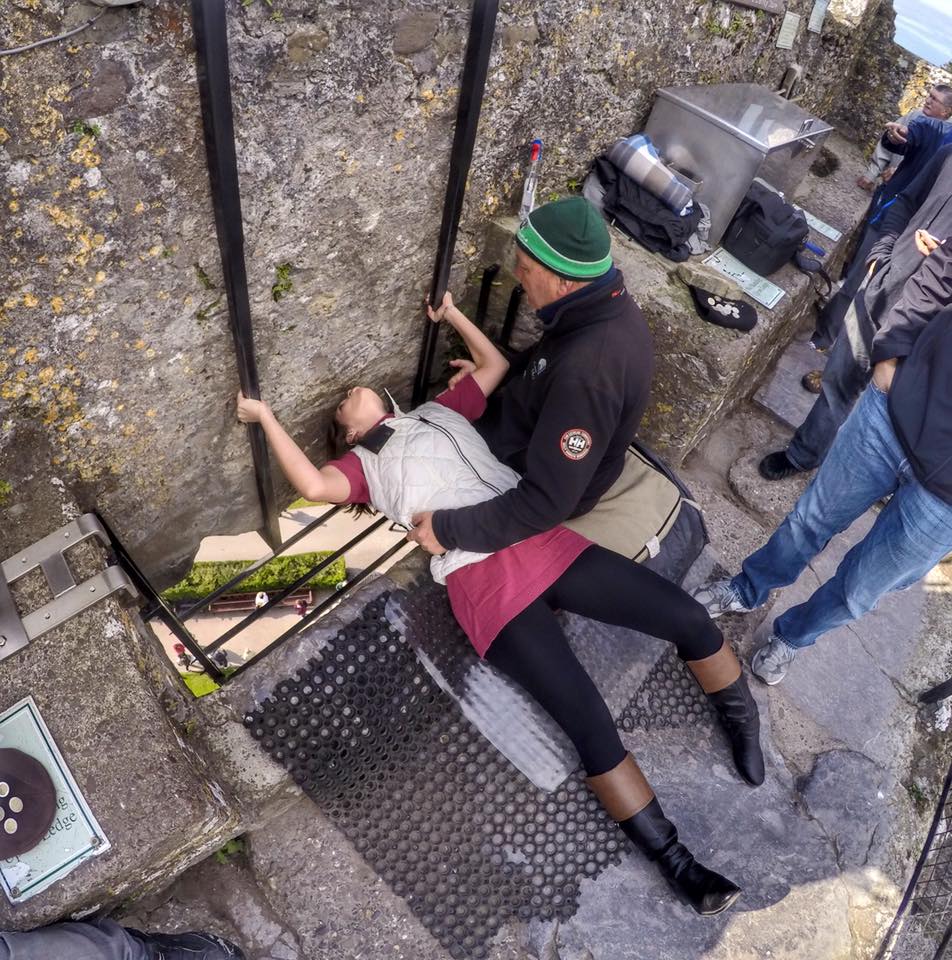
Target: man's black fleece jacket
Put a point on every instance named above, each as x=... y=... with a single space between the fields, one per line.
x=564 y=418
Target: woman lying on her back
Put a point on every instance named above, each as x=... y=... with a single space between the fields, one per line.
x=433 y=458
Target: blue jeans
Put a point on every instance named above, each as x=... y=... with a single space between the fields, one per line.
x=912 y=533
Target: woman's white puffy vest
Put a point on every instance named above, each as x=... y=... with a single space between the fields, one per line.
x=435 y=460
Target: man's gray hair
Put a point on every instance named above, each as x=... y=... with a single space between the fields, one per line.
x=944 y=91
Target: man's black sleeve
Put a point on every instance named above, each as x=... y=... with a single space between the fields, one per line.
x=900 y=212
x=574 y=428
x=517 y=364
x=924 y=294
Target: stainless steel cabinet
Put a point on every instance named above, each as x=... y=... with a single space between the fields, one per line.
x=727 y=134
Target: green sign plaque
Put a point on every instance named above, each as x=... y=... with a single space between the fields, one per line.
x=74 y=837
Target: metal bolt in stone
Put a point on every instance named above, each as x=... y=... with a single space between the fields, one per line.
x=14 y=891
x=3 y=640
x=95 y=842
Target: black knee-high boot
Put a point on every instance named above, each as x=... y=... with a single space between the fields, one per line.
x=628 y=798
x=722 y=679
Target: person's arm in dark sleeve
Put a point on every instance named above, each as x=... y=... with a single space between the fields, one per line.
x=566 y=447
x=517 y=363
x=894 y=220
x=897 y=148
x=924 y=294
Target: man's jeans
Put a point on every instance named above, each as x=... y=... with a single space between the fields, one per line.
x=912 y=533
x=103 y=940
x=847 y=367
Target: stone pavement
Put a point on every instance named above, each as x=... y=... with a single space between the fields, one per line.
x=823 y=849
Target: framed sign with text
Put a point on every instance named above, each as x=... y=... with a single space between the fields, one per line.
x=74 y=836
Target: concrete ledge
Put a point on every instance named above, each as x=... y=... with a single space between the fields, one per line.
x=109 y=702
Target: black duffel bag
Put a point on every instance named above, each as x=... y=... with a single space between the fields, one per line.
x=766 y=231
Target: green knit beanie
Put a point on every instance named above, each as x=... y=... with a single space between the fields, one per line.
x=569 y=237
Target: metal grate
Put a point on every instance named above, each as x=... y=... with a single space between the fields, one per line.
x=922 y=928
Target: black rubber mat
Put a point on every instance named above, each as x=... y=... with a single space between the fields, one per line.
x=430 y=804
x=616 y=659
x=668 y=697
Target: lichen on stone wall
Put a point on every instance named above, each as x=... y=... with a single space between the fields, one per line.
x=344 y=117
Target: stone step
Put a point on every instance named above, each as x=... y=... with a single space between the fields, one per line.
x=782 y=392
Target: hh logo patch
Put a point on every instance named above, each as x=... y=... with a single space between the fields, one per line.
x=576 y=443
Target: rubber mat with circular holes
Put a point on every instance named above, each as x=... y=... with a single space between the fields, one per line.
x=431 y=805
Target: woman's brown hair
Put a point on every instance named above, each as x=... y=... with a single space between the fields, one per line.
x=337 y=446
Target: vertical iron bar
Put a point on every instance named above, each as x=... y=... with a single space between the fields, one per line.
x=485 y=289
x=214 y=85
x=512 y=309
x=472 y=85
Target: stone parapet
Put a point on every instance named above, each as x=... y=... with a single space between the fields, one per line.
x=120 y=718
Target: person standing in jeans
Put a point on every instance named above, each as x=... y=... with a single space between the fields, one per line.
x=897 y=442
x=918 y=219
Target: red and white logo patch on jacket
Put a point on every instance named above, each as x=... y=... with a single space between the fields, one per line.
x=576 y=443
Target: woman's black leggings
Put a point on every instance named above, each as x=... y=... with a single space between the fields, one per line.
x=604 y=586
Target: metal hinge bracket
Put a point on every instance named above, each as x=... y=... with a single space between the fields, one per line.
x=69 y=597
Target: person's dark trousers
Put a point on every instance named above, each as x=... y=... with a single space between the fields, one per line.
x=106 y=940
x=845 y=377
x=830 y=317
x=103 y=940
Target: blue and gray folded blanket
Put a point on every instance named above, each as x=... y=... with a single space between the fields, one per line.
x=636 y=157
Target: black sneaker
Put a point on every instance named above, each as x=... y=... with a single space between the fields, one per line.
x=187 y=946
x=777 y=466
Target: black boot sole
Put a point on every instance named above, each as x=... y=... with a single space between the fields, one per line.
x=726 y=905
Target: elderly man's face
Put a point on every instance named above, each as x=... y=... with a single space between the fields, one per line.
x=938 y=105
x=542 y=286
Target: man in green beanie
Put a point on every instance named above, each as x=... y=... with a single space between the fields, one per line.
x=572 y=403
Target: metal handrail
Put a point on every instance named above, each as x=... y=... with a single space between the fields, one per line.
x=473 y=83
x=321 y=608
x=258 y=564
x=291 y=587
x=214 y=86
x=889 y=941
x=160 y=607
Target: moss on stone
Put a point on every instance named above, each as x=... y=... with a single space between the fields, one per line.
x=208 y=575
x=283 y=284
x=86 y=129
x=6 y=489
x=203 y=278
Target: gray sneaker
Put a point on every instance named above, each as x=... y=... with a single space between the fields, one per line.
x=771 y=661
x=719 y=597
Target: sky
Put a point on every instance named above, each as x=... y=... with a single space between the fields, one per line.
x=925 y=28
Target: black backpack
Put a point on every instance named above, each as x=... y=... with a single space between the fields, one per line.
x=766 y=231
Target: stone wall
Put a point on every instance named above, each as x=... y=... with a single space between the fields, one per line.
x=114 y=341
x=885 y=82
